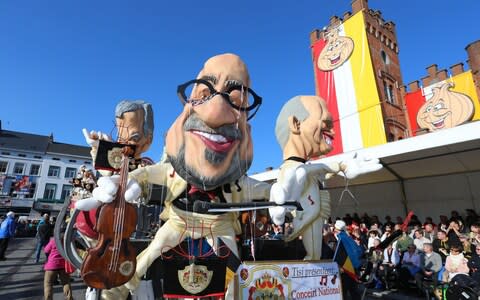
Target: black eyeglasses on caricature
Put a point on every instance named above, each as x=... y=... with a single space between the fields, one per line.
x=238 y=96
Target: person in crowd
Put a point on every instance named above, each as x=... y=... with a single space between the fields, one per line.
x=454 y=232
x=456 y=263
x=441 y=245
x=44 y=232
x=420 y=239
x=399 y=220
x=387 y=232
x=55 y=268
x=430 y=265
x=350 y=287
x=428 y=220
x=366 y=219
x=7 y=231
x=474 y=234
x=412 y=231
x=375 y=258
x=410 y=264
x=443 y=223
x=468 y=248
x=388 y=222
x=329 y=238
x=429 y=231
x=372 y=235
x=376 y=224
x=277 y=232
x=455 y=216
x=348 y=219
x=415 y=221
x=391 y=259
x=356 y=218
x=472 y=218
x=474 y=264
x=401 y=245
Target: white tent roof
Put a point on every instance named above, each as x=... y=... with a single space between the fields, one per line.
x=449 y=151
x=431 y=174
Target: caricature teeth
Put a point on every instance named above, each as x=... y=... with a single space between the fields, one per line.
x=335 y=59
x=439 y=123
x=217 y=138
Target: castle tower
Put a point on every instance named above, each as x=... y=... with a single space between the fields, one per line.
x=383 y=44
x=378 y=68
x=473 y=52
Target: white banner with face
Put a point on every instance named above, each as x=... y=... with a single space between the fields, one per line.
x=289 y=280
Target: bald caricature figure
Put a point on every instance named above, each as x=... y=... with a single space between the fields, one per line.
x=209 y=151
x=304 y=130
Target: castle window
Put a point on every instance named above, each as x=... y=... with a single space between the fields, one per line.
x=389 y=92
x=390 y=137
x=385 y=58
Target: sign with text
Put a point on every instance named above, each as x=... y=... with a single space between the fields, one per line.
x=289 y=280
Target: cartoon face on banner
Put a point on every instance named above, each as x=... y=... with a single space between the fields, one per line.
x=445 y=109
x=337 y=50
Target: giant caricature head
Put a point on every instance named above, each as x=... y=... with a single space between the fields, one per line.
x=446 y=109
x=304 y=127
x=209 y=144
x=134 y=121
x=337 y=50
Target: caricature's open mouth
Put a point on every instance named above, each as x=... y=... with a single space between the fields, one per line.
x=335 y=60
x=439 y=123
x=328 y=138
x=215 y=142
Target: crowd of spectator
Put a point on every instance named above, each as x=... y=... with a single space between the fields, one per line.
x=427 y=254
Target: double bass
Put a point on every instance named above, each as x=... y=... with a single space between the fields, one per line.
x=112 y=262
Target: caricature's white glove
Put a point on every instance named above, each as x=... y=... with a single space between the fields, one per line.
x=358 y=165
x=106 y=190
x=288 y=188
x=94 y=137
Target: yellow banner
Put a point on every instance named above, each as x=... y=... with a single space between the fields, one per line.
x=368 y=100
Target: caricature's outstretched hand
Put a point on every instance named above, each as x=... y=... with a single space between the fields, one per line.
x=106 y=190
x=93 y=137
x=288 y=188
x=358 y=165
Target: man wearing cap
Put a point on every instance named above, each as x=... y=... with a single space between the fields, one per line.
x=7 y=230
x=339 y=226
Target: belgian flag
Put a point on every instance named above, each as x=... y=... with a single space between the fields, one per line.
x=233 y=262
x=347 y=256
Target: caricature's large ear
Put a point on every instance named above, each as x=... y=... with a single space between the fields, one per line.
x=294 y=125
x=149 y=140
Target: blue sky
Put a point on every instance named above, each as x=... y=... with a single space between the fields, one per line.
x=64 y=65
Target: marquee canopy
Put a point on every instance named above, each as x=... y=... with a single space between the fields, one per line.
x=419 y=169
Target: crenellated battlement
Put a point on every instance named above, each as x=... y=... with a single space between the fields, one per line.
x=435 y=75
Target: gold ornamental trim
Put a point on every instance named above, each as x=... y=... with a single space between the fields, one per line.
x=114 y=157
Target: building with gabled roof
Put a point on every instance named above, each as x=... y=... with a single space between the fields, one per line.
x=36 y=172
